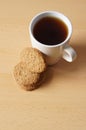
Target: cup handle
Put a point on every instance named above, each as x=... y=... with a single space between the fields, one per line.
x=69 y=53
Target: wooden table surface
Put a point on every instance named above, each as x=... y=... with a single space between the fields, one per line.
x=60 y=103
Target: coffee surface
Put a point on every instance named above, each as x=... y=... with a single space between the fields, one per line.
x=50 y=31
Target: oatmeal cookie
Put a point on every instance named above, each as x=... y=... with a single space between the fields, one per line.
x=26 y=79
x=34 y=59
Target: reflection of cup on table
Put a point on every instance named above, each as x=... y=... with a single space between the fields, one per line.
x=50 y=33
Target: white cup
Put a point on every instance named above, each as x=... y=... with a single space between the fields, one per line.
x=53 y=52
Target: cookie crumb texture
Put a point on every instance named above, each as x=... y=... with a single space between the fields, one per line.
x=30 y=72
x=34 y=58
x=26 y=79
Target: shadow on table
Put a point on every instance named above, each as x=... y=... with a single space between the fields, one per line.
x=79 y=63
x=65 y=69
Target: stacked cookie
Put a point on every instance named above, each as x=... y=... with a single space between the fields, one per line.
x=30 y=72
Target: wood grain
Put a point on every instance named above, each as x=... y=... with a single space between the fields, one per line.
x=60 y=103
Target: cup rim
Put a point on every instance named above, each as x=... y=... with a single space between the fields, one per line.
x=61 y=16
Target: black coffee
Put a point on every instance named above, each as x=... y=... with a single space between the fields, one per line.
x=50 y=31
